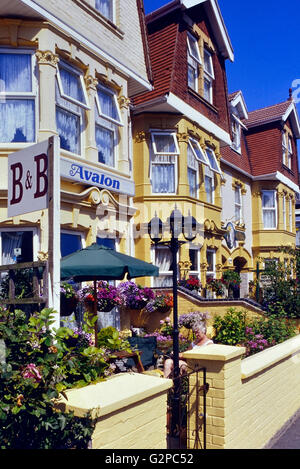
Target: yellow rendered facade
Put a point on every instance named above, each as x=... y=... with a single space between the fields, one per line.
x=148 y=203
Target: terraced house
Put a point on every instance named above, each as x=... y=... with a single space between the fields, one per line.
x=69 y=68
x=198 y=148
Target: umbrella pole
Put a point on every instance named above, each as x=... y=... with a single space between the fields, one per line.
x=95 y=313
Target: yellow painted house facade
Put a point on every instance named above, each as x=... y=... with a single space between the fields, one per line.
x=69 y=69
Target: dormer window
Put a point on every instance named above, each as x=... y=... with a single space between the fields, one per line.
x=194 y=61
x=208 y=76
x=287 y=150
x=290 y=152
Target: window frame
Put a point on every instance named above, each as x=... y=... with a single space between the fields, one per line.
x=195 y=273
x=115 y=143
x=289 y=151
x=211 y=273
x=80 y=120
x=217 y=169
x=284 y=212
x=211 y=177
x=114 y=95
x=170 y=155
x=275 y=208
x=238 y=206
x=290 y=215
x=207 y=75
x=113 y=19
x=193 y=62
x=236 y=134
x=79 y=74
x=35 y=239
x=73 y=232
x=26 y=95
x=168 y=273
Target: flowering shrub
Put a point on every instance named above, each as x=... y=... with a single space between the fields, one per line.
x=135 y=296
x=254 y=342
x=231 y=278
x=108 y=296
x=164 y=337
x=192 y=283
x=67 y=290
x=215 y=285
x=192 y=320
x=161 y=302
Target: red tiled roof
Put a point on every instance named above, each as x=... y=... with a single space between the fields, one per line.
x=267 y=114
x=231 y=96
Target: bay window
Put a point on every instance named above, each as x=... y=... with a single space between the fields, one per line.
x=163 y=172
x=108 y=122
x=71 y=103
x=192 y=168
x=194 y=61
x=19 y=90
x=269 y=209
x=208 y=76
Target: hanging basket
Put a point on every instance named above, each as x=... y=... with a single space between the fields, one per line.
x=163 y=309
x=67 y=305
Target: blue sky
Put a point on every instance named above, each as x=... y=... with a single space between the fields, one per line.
x=265 y=38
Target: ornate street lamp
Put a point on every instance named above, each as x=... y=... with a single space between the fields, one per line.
x=178 y=225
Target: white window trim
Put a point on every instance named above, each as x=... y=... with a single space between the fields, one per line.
x=35 y=239
x=210 y=77
x=205 y=158
x=104 y=116
x=284 y=211
x=115 y=149
x=289 y=152
x=194 y=169
x=24 y=95
x=168 y=273
x=192 y=38
x=213 y=272
x=290 y=215
x=175 y=156
x=236 y=143
x=270 y=208
x=196 y=273
x=194 y=62
x=218 y=170
x=211 y=177
x=60 y=85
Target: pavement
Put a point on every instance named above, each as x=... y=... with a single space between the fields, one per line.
x=288 y=436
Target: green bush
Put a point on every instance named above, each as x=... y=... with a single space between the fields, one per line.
x=230 y=329
x=37 y=365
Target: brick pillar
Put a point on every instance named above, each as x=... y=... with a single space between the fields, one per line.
x=223 y=374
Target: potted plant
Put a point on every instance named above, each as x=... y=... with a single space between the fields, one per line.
x=68 y=299
x=108 y=301
x=162 y=303
x=216 y=285
x=192 y=283
x=134 y=298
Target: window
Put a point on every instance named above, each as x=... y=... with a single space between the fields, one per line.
x=18 y=109
x=195 y=262
x=198 y=152
x=164 y=163
x=210 y=259
x=192 y=171
x=212 y=160
x=107 y=242
x=208 y=76
x=238 y=204
x=108 y=105
x=284 y=211
x=194 y=61
x=163 y=260
x=106 y=7
x=106 y=144
x=20 y=240
x=284 y=148
x=290 y=153
x=71 y=103
x=290 y=215
x=236 y=134
x=70 y=242
x=209 y=182
x=269 y=209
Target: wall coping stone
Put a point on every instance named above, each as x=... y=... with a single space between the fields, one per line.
x=268 y=357
x=116 y=392
x=215 y=352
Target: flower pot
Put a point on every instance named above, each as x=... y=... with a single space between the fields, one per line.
x=163 y=309
x=67 y=305
x=137 y=317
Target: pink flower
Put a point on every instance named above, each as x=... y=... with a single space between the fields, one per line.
x=32 y=371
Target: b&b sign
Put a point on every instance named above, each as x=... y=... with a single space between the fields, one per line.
x=28 y=180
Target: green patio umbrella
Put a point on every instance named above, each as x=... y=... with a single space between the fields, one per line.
x=98 y=262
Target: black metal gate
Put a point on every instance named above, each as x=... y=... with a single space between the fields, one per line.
x=186 y=422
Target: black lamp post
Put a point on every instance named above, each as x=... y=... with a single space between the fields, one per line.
x=178 y=225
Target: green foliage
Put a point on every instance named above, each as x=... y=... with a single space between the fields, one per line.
x=231 y=278
x=275 y=328
x=39 y=363
x=109 y=338
x=230 y=329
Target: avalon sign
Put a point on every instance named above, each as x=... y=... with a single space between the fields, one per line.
x=81 y=172
x=28 y=180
